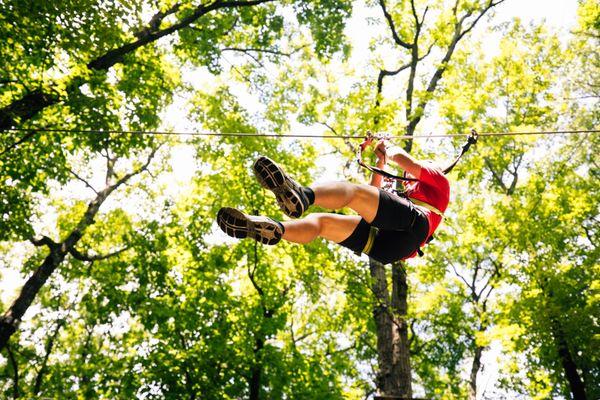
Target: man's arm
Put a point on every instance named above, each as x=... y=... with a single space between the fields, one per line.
x=405 y=161
x=377 y=179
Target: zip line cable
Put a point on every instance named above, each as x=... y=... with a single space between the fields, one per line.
x=296 y=135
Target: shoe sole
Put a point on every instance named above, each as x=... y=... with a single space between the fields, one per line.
x=238 y=225
x=288 y=193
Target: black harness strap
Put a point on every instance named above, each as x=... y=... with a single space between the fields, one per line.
x=472 y=139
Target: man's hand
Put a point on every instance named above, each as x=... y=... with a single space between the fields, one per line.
x=381 y=152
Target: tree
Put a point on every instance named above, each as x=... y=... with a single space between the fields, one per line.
x=510 y=91
x=130 y=52
x=557 y=250
x=529 y=101
x=96 y=57
x=556 y=266
x=417 y=41
x=191 y=317
x=130 y=274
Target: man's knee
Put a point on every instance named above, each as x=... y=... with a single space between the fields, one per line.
x=321 y=221
x=316 y=220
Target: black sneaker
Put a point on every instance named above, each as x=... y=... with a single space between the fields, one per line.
x=289 y=194
x=239 y=225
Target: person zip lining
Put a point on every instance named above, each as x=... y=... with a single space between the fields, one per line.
x=390 y=225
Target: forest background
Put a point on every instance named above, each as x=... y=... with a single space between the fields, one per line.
x=116 y=283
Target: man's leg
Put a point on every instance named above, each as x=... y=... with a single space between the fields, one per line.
x=332 y=227
x=364 y=199
x=294 y=199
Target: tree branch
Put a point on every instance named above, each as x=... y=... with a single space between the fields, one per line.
x=110 y=165
x=515 y=174
x=339 y=351
x=32 y=103
x=413 y=335
x=413 y=9
x=49 y=346
x=83 y=180
x=25 y=137
x=5 y=81
x=10 y=320
x=424 y=15
x=88 y=258
x=225 y=33
x=418 y=22
x=490 y=5
x=335 y=132
x=428 y=51
x=251 y=272
x=24 y=109
x=259 y=50
x=383 y=73
x=303 y=336
x=246 y=52
x=135 y=172
x=15 y=368
x=156 y=20
x=115 y=56
x=44 y=241
x=455 y=8
x=495 y=175
x=390 y=22
x=474 y=280
x=589 y=233
x=459 y=33
x=456 y=272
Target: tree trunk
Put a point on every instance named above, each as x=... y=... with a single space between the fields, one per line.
x=255 y=378
x=576 y=385
x=567 y=362
x=9 y=322
x=401 y=364
x=475 y=366
x=394 y=376
x=383 y=322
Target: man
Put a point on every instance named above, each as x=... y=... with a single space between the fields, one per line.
x=388 y=227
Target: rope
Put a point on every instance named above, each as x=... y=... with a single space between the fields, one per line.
x=294 y=135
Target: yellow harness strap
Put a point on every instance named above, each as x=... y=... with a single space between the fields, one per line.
x=427 y=206
x=369 y=245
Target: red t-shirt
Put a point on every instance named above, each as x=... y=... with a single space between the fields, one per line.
x=432 y=188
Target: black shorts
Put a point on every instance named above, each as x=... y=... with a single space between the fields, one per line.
x=401 y=228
